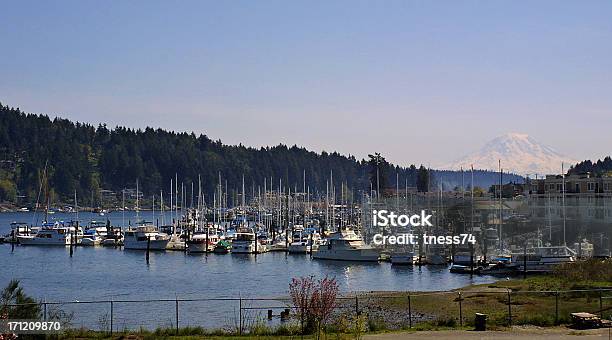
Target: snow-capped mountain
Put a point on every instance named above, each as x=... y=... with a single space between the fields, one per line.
x=518 y=153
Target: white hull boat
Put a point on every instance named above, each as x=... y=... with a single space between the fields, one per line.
x=145 y=237
x=345 y=245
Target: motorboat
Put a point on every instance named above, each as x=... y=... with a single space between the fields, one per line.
x=304 y=241
x=18 y=229
x=245 y=242
x=176 y=239
x=461 y=269
x=280 y=243
x=113 y=238
x=91 y=237
x=203 y=241
x=145 y=237
x=52 y=234
x=542 y=259
x=346 y=245
x=222 y=247
x=95 y=233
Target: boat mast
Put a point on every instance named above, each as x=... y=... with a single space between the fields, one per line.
x=333 y=213
x=137 y=210
x=563 y=201
x=501 y=219
x=472 y=194
x=46 y=182
x=76 y=206
x=243 y=204
x=123 y=207
x=161 y=206
x=327 y=203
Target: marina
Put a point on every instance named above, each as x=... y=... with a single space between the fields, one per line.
x=106 y=273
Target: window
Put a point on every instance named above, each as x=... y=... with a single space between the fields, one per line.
x=591 y=186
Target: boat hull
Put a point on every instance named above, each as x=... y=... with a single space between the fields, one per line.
x=436 y=259
x=242 y=248
x=358 y=255
x=36 y=241
x=142 y=245
x=402 y=259
x=86 y=241
x=298 y=248
x=199 y=247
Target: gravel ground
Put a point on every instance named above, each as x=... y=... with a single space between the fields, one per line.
x=392 y=318
x=529 y=332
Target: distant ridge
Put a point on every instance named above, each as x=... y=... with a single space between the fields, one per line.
x=88 y=160
x=519 y=153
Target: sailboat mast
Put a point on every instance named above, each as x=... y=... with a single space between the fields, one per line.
x=137 y=210
x=76 y=206
x=563 y=201
x=161 y=206
x=501 y=218
x=472 y=194
x=123 y=207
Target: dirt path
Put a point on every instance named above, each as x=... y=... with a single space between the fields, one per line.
x=535 y=333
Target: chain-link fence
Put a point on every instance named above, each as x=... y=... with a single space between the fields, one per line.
x=374 y=310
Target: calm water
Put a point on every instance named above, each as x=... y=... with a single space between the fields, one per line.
x=50 y=274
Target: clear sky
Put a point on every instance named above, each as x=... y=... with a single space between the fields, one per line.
x=419 y=81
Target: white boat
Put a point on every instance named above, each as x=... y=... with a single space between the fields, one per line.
x=203 y=241
x=51 y=234
x=542 y=259
x=176 y=242
x=176 y=238
x=114 y=238
x=18 y=229
x=143 y=237
x=304 y=242
x=94 y=234
x=245 y=242
x=91 y=238
x=280 y=244
x=346 y=245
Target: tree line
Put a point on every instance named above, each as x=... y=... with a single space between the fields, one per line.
x=83 y=159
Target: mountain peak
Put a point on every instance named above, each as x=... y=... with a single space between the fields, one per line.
x=518 y=153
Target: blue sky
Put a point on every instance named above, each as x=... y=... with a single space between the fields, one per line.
x=419 y=81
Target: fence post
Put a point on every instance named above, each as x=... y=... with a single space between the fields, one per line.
x=111 y=317
x=409 y=311
x=600 y=305
x=45 y=310
x=240 y=317
x=460 y=311
x=556 y=308
x=509 y=309
x=176 y=308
